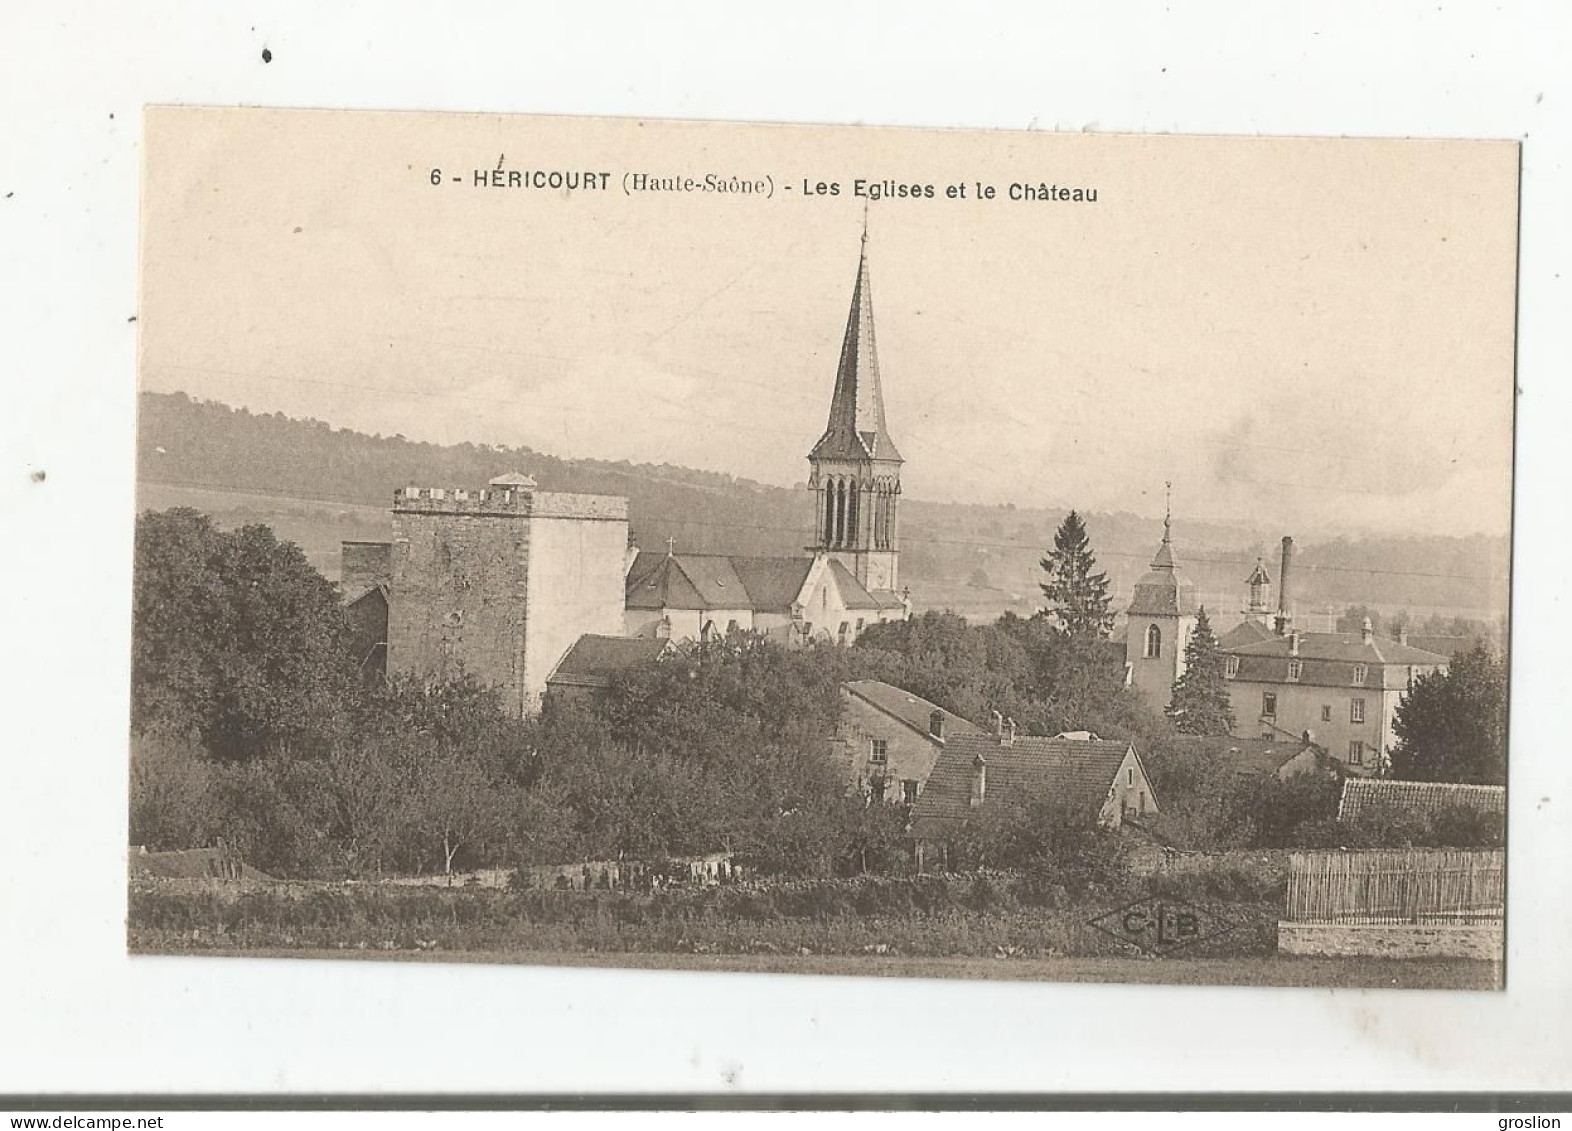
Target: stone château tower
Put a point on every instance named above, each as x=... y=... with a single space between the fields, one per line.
x=856 y=470
x=1161 y=618
x=499 y=583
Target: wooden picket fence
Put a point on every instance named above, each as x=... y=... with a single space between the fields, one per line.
x=1400 y=886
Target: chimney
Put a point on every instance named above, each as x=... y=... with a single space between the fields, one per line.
x=979 y=780
x=1366 y=632
x=1007 y=733
x=1285 y=577
x=1402 y=635
x=998 y=725
x=1293 y=642
x=936 y=724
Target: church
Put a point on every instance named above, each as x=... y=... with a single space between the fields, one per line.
x=848 y=578
x=504 y=583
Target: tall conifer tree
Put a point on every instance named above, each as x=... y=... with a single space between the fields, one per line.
x=1200 y=703
x=1077 y=592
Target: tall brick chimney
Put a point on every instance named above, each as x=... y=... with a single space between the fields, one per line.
x=1285 y=578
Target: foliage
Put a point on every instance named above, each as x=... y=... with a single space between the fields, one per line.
x=235 y=636
x=1451 y=725
x=1200 y=703
x=1077 y=592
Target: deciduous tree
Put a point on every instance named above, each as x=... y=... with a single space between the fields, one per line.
x=1451 y=726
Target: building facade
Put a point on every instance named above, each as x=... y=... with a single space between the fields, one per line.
x=1340 y=689
x=889 y=739
x=1102 y=781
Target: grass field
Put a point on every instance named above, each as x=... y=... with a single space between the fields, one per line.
x=1339 y=973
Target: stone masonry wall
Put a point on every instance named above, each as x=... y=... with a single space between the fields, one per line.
x=1483 y=941
x=497 y=584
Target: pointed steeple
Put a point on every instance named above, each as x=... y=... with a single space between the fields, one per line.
x=856 y=429
x=1165 y=552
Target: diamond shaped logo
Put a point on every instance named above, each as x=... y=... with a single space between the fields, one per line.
x=1161 y=926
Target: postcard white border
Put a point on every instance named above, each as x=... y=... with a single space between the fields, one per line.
x=81 y=1016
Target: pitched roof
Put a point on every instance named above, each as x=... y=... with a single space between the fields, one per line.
x=856 y=428
x=1366 y=799
x=913 y=710
x=1079 y=773
x=1245 y=632
x=1349 y=646
x=191 y=864
x=719 y=581
x=772 y=583
x=853 y=592
x=1329 y=659
x=593 y=660
x=1244 y=756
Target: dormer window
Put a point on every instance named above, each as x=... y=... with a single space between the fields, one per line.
x=1232 y=668
x=1295 y=670
x=1360 y=673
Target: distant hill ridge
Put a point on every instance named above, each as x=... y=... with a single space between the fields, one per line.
x=955 y=553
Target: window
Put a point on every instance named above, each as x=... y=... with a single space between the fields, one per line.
x=909 y=791
x=1269 y=704
x=1326 y=712
x=1129 y=776
x=879 y=751
x=859 y=624
x=1356 y=710
x=1233 y=666
x=1143 y=802
x=1295 y=670
x=876 y=789
x=1356 y=753
x=1360 y=672
x=1154 y=641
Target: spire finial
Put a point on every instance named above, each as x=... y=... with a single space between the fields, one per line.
x=865 y=225
x=1168 y=507
x=671 y=547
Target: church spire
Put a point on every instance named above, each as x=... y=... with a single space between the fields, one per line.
x=856 y=428
x=1165 y=553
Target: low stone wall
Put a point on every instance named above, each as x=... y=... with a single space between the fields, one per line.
x=1484 y=941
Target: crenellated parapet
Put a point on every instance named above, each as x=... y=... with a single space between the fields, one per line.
x=508 y=501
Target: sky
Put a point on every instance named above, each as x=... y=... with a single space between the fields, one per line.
x=1314 y=333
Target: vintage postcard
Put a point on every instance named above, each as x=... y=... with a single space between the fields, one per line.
x=823 y=550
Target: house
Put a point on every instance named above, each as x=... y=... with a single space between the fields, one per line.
x=1385 y=801
x=589 y=667
x=889 y=739
x=1341 y=688
x=1102 y=779
x=1278 y=756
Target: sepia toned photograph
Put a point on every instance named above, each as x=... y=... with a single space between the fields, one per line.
x=823 y=550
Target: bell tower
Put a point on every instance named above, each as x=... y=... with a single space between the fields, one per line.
x=856 y=470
